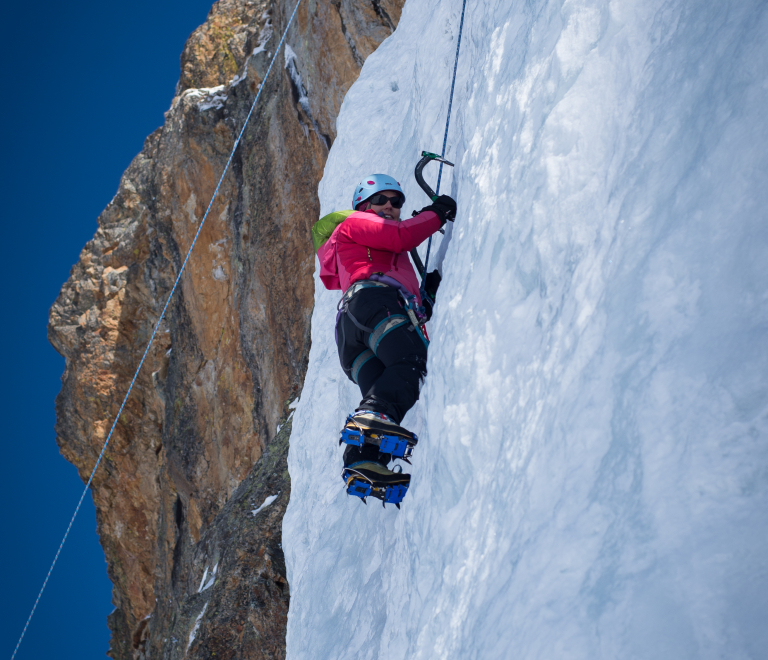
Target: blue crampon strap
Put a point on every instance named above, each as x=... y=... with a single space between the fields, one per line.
x=393 y=444
x=355 y=438
x=395 y=494
x=447 y=124
x=359 y=488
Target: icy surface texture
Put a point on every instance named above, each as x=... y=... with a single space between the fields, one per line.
x=592 y=476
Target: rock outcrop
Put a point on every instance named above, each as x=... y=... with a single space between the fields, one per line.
x=195 y=451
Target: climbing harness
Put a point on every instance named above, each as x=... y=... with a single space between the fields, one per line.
x=154 y=332
x=375 y=335
x=415 y=312
x=417 y=316
x=441 y=159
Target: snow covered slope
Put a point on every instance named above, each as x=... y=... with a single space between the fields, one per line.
x=592 y=476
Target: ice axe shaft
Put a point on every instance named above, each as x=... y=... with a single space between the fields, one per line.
x=417 y=262
x=426 y=157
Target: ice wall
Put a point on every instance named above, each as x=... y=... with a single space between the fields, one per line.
x=592 y=476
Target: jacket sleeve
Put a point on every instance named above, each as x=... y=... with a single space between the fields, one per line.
x=329 y=270
x=372 y=231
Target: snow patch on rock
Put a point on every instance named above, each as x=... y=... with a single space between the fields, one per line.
x=266 y=503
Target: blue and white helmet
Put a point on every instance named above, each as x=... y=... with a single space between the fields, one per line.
x=372 y=185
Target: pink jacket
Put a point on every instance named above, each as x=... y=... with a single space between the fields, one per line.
x=365 y=244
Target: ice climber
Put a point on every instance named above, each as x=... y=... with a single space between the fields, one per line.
x=379 y=328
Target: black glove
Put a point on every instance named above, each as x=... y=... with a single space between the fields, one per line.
x=431 y=283
x=429 y=291
x=444 y=206
x=428 y=305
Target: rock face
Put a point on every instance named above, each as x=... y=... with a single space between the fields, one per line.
x=195 y=450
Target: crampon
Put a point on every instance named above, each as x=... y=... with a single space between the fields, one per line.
x=368 y=427
x=370 y=479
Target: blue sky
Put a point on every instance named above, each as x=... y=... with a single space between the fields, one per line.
x=83 y=84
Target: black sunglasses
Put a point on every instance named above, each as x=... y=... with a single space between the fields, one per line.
x=379 y=200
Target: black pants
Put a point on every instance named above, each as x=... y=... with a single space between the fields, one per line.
x=389 y=369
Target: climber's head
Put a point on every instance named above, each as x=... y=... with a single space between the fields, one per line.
x=380 y=193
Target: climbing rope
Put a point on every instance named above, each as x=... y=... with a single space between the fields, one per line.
x=154 y=332
x=447 y=124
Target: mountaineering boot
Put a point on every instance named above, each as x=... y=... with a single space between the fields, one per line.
x=367 y=427
x=372 y=478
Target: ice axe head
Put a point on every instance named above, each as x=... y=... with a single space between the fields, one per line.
x=426 y=157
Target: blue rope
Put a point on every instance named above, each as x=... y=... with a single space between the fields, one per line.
x=160 y=320
x=447 y=124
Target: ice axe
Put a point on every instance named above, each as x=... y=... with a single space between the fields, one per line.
x=426 y=157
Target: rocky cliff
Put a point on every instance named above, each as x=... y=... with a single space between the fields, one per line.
x=196 y=573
